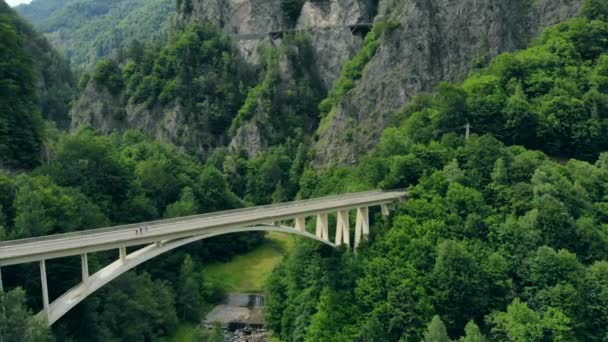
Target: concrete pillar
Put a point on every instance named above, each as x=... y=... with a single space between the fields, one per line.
x=342 y=228
x=362 y=225
x=322 y=231
x=84 y=267
x=123 y=253
x=339 y=231
x=301 y=224
x=385 y=211
x=45 y=288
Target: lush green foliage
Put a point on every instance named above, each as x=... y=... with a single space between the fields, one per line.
x=93 y=181
x=284 y=105
x=498 y=243
x=17 y=324
x=55 y=86
x=108 y=74
x=20 y=120
x=87 y=30
x=551 y=97
x=199 y=74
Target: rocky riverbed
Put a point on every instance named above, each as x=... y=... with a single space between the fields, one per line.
x=242 y=317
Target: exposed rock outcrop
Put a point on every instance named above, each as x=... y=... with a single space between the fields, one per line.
x=250 y=22
x=99 y=109
x=438 y=40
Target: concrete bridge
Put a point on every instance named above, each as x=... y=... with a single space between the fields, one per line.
x=165 y=235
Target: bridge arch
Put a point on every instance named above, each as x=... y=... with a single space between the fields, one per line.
x=91 y=283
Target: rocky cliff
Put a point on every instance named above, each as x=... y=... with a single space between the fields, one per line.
x=437 y=40
x=329 y=24
x=429 y=41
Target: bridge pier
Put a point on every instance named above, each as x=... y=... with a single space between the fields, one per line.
x=342 y=229
x=122 y=251
x=301 y=224
x=362 y=225
x=322 y=227
x=84 y=267
x=385 y=210
x=45 y=288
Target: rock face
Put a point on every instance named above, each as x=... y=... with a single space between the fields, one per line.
x=99 y=109
x=250 y=22
x=437 y=40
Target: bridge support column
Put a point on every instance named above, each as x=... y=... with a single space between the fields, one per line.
x=45 y=288
x=362 y=225
x=84 y=267
x=342 y=229
x=301 y=224
x=322 y=227
x=123 y=253
x=385 y=211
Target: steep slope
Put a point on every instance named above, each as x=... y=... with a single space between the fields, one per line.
x=186 y=93
x=20 y=121
x=495 y=242
x=55 y=84
x=437 y=40
x=329 y=24
x=87 y=30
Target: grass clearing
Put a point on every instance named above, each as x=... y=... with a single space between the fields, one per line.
x=183 y=333
x=244 y=273
x=247 y=272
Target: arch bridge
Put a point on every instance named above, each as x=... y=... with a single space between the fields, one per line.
x=164 y=235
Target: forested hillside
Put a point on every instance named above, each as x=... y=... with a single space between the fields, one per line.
x=87 y=30
x=54 y=85
x=497 y=242
x=95 y=181
x=504 y=236
x=20 y=119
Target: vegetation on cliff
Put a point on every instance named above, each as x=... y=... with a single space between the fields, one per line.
x=495 y=241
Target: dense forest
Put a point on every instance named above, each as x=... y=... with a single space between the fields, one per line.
x=87 y=30
x=504 y=236
x=496 y=242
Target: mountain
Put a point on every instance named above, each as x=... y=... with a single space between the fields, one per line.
x=368 y=58
x=37 y=85
x=87 y=30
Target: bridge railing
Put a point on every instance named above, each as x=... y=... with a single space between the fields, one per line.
x=185 y=218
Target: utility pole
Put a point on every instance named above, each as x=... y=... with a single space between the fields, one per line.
x=468 y=130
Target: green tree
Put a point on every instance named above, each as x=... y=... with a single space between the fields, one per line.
x=520 y=323
x=595 y=10
x=186 y=205
x=460 y=288
x=436 y=331
x=21 y=126
x=189 y=295
x=107 y=74
x=17 y=324
x=472 y=333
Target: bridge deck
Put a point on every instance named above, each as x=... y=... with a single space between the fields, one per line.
x=62 y=245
